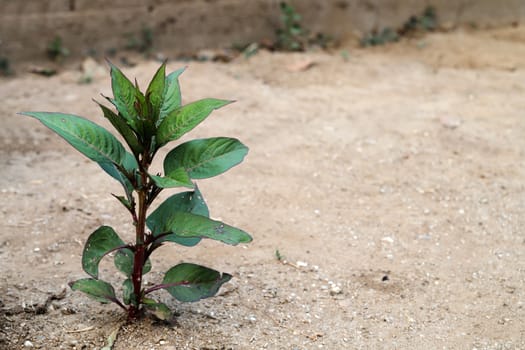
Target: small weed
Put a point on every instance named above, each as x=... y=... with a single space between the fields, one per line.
x=387 y=35
x=250 y=50
x=111 y=52
x=142 y=43
x=324 y=41
x=55 y=49
x=5 y=66
x=292 y=36
x=345 y=55
x=147 y=122
x=278 y=255
x=427 y=21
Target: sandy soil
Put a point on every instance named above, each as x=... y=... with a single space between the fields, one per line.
x=392 y=183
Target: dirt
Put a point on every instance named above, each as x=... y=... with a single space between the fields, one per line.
x=389 y=179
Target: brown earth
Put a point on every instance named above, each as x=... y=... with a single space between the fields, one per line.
x=390 y=179
x=28 y=27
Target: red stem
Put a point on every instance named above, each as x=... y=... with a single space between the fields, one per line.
x=164 y=286
x=134 y=311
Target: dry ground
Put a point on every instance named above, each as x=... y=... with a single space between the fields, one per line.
x=392 y=182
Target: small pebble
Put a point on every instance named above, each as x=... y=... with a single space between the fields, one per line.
x=387 y=239
x=450 y=122
x=28 y=344
x=335 y=290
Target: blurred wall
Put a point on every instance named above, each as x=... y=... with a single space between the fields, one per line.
x=27 y=26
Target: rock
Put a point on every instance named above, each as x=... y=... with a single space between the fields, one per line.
x=301 y=66
x=387 y=239
x=302 y=263
x=450 y=122
x=91 y=70
x=215 y=55
x=335 y=290
x=28 y=344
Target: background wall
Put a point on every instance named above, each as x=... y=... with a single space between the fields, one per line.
x=27 y=26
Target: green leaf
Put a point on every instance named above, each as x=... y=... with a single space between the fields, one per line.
x=90 y=139
x=176 y=178
x=155 y=91
x=187 y=202
x=172 y=97
x=160 y=310
x=182 y=224
x=204 y=158
x=111 y=339
x=141 y=106
x=123 y=128
x=129 y=163
x=184 y=119
x=124 y=201
x=99 y=243
x=96 y=289
x=124 y=97
x=124 y=262
x=127 y=292
x=190 y=282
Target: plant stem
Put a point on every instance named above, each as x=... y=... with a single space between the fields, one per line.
x=165 y=286
x=134 y=311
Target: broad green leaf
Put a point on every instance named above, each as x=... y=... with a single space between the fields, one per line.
x=123 y=128
x=155 y=91
x=182 y=224
x=127 y=292
x=175 y=178
x=204 y=158
x=184 y=119
x=90 y=139
x=99 y=243
x=172 y=97
x=129 y=163
x=187 y=202
x=96 y=289
x=189 y=282
x=160 y=310
x=124 y=262
x=124 y=97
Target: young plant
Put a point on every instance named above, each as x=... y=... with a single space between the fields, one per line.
x=55 y=50
x=147 y=122
x=292 y=36
x=142 y=43
x=426 y=22
x=375 y=38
